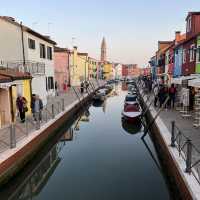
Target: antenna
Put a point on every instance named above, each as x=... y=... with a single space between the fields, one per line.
x=34 y=24
x=73 y=43
x=49 y=26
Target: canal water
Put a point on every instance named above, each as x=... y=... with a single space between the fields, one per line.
x=97 y=157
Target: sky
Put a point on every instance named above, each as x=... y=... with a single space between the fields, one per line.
x=132 y=28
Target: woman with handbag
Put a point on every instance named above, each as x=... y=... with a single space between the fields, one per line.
x=21 y=104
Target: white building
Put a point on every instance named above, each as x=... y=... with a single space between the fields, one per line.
x=118 y=71
x=27 y=50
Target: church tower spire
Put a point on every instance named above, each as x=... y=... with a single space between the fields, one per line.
x=103 y=50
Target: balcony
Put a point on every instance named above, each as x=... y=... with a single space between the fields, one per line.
x=32 y=67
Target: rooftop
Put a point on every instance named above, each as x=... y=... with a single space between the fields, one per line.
x=27 y=29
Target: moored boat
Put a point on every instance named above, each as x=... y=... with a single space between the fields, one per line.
x=130 y=99
x=131 y=112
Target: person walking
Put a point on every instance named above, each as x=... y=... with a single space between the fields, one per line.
x=156 y=90
x=33 y=106
x=82 y=87
x=56 y=88
x=38 y=107
x=172 y=95
x=21 y=104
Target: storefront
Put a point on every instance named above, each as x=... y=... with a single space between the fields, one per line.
x=195 y=84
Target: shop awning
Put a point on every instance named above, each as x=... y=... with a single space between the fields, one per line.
x=194 y=83
x=179 y=80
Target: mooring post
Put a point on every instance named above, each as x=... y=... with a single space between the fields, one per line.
x=188 y=156
x=63 y=104
x=37 y=115
x=173 y=134
x=26 y=123
x=12 y=136
x=53 y=111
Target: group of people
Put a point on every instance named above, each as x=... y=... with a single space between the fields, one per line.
x=84 y=85
x=36 y=107
x=162 y=92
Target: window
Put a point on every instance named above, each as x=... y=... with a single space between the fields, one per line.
x=198 y=54
x=50 y=83
x=49 y=53
x=42 y=51
x=184 y=55
x=31 y=43
x=192 y=52
x=189 y=24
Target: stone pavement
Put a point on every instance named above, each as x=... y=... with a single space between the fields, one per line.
x=23 y=129
x=185 y=125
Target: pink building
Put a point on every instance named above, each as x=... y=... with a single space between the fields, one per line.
x=61 y=59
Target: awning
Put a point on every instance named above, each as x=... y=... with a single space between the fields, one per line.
x=194 y=83
x=180 y=80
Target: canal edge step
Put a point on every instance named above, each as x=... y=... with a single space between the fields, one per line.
x=13 y=160
x=187 y=184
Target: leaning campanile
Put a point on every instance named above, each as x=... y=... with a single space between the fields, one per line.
x=103 y=50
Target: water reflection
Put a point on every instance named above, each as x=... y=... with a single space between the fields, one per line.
x=93 y=151
x=131 y=128
x=34 y=183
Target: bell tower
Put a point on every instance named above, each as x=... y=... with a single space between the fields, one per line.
x=103 y=50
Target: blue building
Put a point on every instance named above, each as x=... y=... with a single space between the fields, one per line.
x=152 y=63
x=178 y=61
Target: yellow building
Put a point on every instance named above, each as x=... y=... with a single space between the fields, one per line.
x=78 y=67
x=93 y=66
x=13 y=83
x=107 y=71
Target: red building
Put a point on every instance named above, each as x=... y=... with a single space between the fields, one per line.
x=130 y=70
x=189 y=45
x=61 y=66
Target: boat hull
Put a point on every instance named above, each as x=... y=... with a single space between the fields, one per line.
x=131 y=117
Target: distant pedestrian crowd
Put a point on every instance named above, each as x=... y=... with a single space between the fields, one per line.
x=161 y=92
x=84 y=86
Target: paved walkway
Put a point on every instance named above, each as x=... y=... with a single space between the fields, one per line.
x=185 y=125
x=22 y=130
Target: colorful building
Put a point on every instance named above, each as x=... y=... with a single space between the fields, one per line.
x=61 y=64
x=26 y=50
x=130 y=70
x=78 y=67
x=108 y=71
x=93 y=68
x=197 y=70
x=12 y=84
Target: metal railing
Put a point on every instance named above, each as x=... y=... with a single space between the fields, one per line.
x=13 y=133
x=187 y=150
x=28 y=66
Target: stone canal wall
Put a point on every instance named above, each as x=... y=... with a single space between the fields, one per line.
x=187 y=185
x=13 y=160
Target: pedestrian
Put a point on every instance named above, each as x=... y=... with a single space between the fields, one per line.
x=172 y=95
x=156 y=90
x=64 y=86
x=82 y=87
x=38 y=107
x=86 y=85
x=161 y=95
x=33 y=106
x=165 y=96
x=21 y=104
x=56 y=88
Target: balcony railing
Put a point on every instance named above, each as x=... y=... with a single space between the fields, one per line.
x=28 y=66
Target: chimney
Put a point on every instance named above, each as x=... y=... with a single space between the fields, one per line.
x=177 y=36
